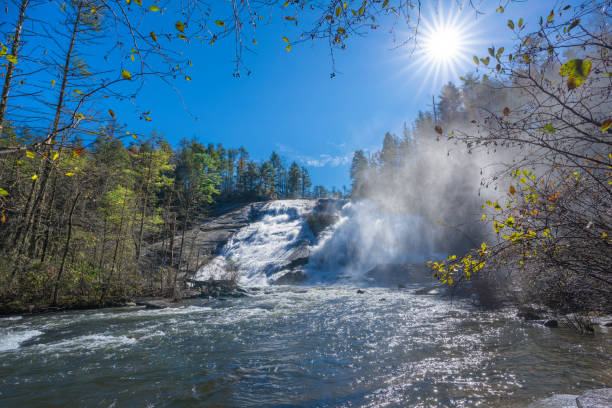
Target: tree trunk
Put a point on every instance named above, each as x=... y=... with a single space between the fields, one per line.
x=11 y=66
x=66 y=247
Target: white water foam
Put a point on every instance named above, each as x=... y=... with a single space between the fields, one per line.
x=11 y=340
x=260 y=247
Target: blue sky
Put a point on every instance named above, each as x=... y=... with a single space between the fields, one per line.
x=290 y=104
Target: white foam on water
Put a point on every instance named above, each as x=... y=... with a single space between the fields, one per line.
x=259 y=248
x=11 y=340
x=10 y=318
x=89 y=342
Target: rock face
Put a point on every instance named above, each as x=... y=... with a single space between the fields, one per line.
x=601 y=398
x=204 y=241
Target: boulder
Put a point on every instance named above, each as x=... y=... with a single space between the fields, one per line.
x=291 y=278
x=530 y=313
x=551 y=323
x=600 y=398
x=361 y=292
x=155 y=304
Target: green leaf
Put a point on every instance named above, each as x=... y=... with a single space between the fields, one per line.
x=574 y=24
x=154 y=8
x=548 y=128
x=511 y=24
x=520 y=22
x=491 y=51
x=576 y=71
x=3 y=191
x=500 y=51
x=180 y=26
x=485 y=61
x=476 y=60
x=126 y=74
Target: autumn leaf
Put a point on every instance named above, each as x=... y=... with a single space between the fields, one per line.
x=154 y=8
x=438 y=130
x=29 y=155
x=11 y=58
x=3 y=219
x=153 y=36
x=70 y=174
x=35 y=176
x=506 y=111
x=78 y=152
x=288 y=48
x=605 y=125
x=188 y=78
x=126 y=74
x=180 y=26
x=220 y=23
x=576 y=71
x=112 y=113
x=512 y=190
x=551 y=16
x=76 y=91
x=511 y=24
x=55 y=156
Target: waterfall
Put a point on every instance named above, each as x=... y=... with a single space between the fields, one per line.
x=361 y=236
x=262 y=251
x=367 y=236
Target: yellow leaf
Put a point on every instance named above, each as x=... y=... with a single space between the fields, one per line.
x=11 y=58
x=29 y=155
x=139 y=2
x=3 y=219
x=288 y=47
x=153 y=36
x=148 y=119
x=34 y=177
x=53 y=82
x=182 y=36
x=154 y=8
x=126 y=74
x=134 y=136
x=76 y=91
x=180 y=26
x=55 y=156
x=187 y=78
x=132 y=57
x=605 y=125
x=285 y=39
x=70 y=174
x=3 y=191
x=219 y=23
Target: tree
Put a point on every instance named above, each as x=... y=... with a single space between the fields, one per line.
x=359 y=169
x=551 y=227
x=305 y=182
x=293 y=181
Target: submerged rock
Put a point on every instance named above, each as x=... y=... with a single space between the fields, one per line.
x=600 y=398
x=155 y=304
x=361 y=292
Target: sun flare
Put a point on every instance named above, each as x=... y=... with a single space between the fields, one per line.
x=444 y=44
x=447 y=38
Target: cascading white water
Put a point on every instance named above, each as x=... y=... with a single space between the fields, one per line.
x=259 y=250
x=364 y=236
x=367 y=235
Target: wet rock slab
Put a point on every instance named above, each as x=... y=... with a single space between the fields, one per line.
x=601 y=398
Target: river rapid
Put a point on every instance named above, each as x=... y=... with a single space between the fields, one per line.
x=319 y=344
x=297 y=346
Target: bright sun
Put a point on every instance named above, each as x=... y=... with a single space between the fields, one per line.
x=444 y=44
x=447 y=38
